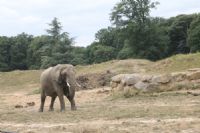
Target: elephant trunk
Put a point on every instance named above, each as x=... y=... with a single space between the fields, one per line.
x=73 y=85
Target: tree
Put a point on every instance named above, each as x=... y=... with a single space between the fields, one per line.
x=55 y=29
x=178 y=34
x=110 y=36
x=39 y=47
x=97 y=53
x=78 y=56
x=194 y=35
x=144 y=37
x=125 y=52
x=60 y=46
x=151 y=42
x=5 y=47
x=18 y=51
x=132 y=11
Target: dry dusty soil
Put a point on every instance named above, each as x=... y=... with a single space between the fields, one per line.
x=101 y=112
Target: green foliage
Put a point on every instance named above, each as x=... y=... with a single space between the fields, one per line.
x=113 y=37
x=5 y=45
x=178 y=33
x=38 y=49
x=19 y=51
x=132 y=11
x=144 y=36
x=78 y=56
x=125 y=52
x=58 y=50
x=98 y=53
x=194 y=35
x=13 y=52
x=150 y=41
x=55 y=30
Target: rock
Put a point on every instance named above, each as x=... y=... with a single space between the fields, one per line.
x=30 y=104
x=154 y=87
x=119 y=87
x=130 y=80
x=193 y=76
x=135 y=83
x=194 y=70
x=18 y=106
x=103 y=91
x=129 y=91
x=179 y=76
x=113 y=84
x=147 y=78
x=162 y=79
x=142 y=86
x=119 y=77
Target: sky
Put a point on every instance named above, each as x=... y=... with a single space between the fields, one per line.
x=80 y=18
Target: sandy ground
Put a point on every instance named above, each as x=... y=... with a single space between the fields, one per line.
x=100 y=112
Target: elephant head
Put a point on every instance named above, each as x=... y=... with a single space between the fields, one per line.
x=65 y=76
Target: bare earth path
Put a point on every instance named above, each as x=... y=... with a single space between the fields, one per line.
x=99 y=112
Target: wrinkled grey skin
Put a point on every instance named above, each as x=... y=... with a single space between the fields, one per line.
x=58 y=81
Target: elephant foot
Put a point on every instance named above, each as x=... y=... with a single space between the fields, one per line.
x=73 y=108
x=62 y=110
x=51 y=110
x=40 y=110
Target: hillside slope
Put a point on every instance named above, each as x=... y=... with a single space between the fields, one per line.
x=176 y=63
x=98 y=74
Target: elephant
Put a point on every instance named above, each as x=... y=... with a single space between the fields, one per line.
x=58 y=81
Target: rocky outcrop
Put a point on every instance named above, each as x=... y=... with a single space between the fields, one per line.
x=149 y=83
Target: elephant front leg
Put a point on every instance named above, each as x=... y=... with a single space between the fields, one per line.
x=60 y=95
x=73 y=104
x=43 y=97
x=62 y=103
x=53 y=98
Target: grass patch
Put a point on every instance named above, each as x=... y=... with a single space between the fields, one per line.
x=116 y=66
x=19 y=80
x=35 y=92
x=176 y=63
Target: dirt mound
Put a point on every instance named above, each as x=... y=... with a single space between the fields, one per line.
x=94 y=80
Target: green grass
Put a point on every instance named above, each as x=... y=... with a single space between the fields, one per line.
x=19 y=80
x=176 y=63
x=35 y=91
x=116 y=66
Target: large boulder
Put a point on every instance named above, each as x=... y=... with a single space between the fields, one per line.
x=193 y=75
x=141 y=86
x=118 y=78
x=161 y=79
x=134 y=83
x=179 y=76
x=131 y=79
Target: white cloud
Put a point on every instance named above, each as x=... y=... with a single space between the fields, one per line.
x=172 y=8
x=30 y=19
x=81 y=18
x=6 y=12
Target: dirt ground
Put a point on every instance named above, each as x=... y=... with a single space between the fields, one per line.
x=101 y=112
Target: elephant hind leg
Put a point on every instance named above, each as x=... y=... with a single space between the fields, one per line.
x=43 y=97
